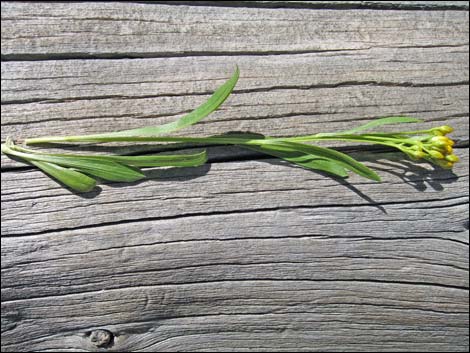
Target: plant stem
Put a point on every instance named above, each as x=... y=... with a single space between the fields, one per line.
x=212 y=139
x=369 y=138
x=99 y=138
x=24 y=155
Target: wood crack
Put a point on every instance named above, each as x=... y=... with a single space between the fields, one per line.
x=245 y=91
x=267 y=279
x=325 y=5
x=156 y=55
x=464 y=201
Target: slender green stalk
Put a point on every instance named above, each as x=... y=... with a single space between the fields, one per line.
x=370 y=138
x=76 y=170
x=103 y=138
x=378 y=138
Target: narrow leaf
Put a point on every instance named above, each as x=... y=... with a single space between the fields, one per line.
x=380 y=122
x=214 y=101
x=305 y=160
x=163 y=160
x=108 y=170
x=178 y=160
x=217 y=98
x=327 y=154
x=73 y=179
x=104 y=169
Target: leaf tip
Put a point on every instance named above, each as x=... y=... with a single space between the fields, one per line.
x=204 y=157
x=376 y=177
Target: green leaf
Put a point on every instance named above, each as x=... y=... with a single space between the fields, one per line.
x=380 y=122
x=214 y=101
x=302 y=159
x=113 y=168
x=177 y=160
x=217 y=98
x=321 y=164
x=164 y=160
x=328 y=154
x=108 y=170
x=104 y=169
x=73 y=179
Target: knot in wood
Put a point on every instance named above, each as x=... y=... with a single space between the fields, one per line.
x=101 y=338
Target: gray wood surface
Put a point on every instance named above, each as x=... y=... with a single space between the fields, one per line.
x=57 y=30
x=245 y=253
x=338 y=5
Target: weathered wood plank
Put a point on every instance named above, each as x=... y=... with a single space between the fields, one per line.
x=339 y=5
x=277 y=113
x=279 y=279
x=218 y=188
x=242 y=255
x=262 y=315
x=304 y=243
x=297 y=95
x=68 y=80
x=45 y=30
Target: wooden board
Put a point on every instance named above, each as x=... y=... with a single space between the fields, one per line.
x=245 y=253
x=338 y=5
x=276 y=95
x=57 y=30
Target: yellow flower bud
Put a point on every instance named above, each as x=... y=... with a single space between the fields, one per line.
x=446 y=129
x=438 y=141
x=436 y=154
x=439 y=149
x=417 y=154
x=444 y=164
x=442 y=141
x=452 y=158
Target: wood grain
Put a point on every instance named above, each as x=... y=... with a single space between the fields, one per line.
x=245 y=253
x=251 y=185
x=288 y=274
x=62 y=30
x=300 y=94
x=259 y=314
x=337 y=5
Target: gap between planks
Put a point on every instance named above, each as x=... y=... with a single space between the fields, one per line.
x=328 y=5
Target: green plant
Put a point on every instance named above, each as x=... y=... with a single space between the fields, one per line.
x=77 y=170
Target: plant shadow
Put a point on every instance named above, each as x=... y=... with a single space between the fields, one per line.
x=342 y=181
x=420 y=175
x=171 y=174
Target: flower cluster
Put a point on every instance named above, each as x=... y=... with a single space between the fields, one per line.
x=435 y=147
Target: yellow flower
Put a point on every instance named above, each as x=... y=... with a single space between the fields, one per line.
x=417 y=154
x=436 y=154
x=442 y=130
x=442 y=141
x=444 y=164
x=452 y=158
x=446 y=129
